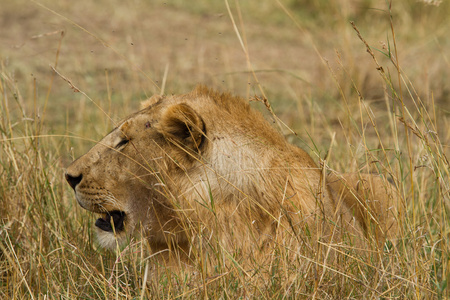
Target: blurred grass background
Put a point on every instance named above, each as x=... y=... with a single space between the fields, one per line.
x=308 y=62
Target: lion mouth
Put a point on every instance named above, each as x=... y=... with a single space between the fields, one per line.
x=105 y=223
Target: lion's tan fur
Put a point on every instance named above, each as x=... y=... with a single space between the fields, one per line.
x=206 y=168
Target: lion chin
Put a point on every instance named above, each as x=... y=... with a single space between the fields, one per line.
x=111 y=240
x=204 y=169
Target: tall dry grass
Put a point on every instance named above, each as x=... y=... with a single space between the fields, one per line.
x=355 y=104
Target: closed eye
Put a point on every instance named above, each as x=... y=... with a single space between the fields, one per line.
x=121 y=144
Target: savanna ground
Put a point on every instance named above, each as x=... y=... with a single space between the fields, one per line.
x=385 y=110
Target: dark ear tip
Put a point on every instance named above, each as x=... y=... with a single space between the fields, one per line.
x=184 y=125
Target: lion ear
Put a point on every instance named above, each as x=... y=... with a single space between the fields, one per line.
x=182 y=125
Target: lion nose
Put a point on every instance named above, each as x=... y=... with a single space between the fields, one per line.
x=73 y=180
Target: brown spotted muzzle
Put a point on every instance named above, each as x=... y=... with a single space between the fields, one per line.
x=111 y=221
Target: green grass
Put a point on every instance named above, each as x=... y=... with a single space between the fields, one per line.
x=310 y=64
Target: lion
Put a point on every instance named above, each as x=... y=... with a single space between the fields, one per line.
x=205 y=168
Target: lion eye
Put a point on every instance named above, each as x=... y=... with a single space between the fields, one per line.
x=122 y=144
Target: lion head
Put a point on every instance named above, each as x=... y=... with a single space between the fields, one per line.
x=123 y=176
